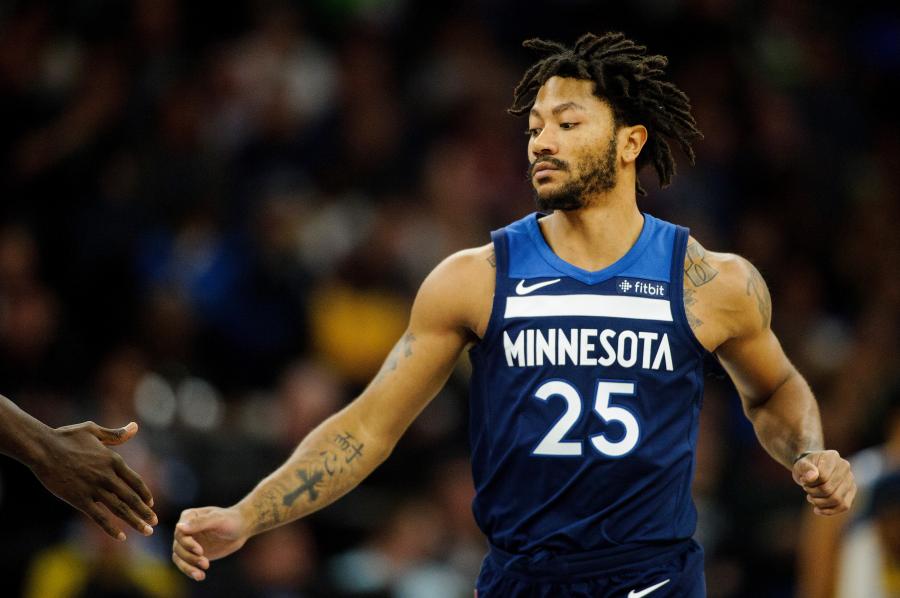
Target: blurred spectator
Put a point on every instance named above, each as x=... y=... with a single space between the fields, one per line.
x=870 y=557
x=400 y=560
x=91 y=564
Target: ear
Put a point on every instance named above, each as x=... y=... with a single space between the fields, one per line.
x=631 y=141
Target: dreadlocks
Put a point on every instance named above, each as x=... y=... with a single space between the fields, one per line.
x=630 y=81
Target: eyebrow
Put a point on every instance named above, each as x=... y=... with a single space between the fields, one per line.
x=559 y=108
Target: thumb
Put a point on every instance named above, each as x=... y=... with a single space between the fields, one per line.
x=805 y=471
x=114 y=436
x=193 y=521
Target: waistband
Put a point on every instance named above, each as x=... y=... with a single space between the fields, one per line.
x=544 y=566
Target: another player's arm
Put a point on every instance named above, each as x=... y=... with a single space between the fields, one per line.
x=347 y=447
x=74 y=463
x=775 y=397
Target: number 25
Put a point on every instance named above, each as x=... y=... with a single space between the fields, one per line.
x=553 y=444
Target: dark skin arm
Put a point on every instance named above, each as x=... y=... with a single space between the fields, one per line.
x=74 y=463
x=730 y=309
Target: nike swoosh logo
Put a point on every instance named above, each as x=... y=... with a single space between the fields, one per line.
x=645 y=591
x=521 y=289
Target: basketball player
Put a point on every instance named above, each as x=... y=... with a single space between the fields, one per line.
x=587 y=329
x=73 y=463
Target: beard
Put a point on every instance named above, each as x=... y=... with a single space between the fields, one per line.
x=598 y=174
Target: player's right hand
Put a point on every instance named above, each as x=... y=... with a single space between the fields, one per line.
x=76 y=465
x=206 y=534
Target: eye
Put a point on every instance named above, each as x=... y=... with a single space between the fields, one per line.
x=567 y=126
x=533 y=132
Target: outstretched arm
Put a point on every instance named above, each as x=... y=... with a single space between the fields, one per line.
x=74 y=463
x=776 y=398
x=347 y=447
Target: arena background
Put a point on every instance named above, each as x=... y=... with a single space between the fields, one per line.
x=214 y=216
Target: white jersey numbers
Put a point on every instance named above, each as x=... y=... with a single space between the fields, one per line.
x=553 y=443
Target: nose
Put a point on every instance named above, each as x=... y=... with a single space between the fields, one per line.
x=543 y=145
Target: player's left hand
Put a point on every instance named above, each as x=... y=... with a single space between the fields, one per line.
x=827 y=480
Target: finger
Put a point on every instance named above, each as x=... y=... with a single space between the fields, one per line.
x=189 y=557
x=821 y=489
x=189 y=543
x=136 y=483
x=829 y=502
x=834 y=484
x=187 y=569
x=123 y=511
x=101 y=517
x=114 y=436
x=845 y=493
x=839 y=502
x=829 y=512
x=134 y=502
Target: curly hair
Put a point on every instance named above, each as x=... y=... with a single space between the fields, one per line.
x=630 y=81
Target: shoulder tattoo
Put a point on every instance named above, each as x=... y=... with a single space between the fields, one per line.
x=756 y=287
x=492 y=259
x=696 y=268
x=690 y=300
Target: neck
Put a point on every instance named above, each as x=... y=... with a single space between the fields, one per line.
x=597 y=235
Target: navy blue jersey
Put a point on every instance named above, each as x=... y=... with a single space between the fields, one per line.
x=585 y=397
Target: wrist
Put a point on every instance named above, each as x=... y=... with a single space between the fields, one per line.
x=244 y=514
x=34 y=448
x=22 y=437
x=805 y=454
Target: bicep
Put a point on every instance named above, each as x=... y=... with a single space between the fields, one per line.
x=753 y=356
x=422 y=360
x=412 y=374
x=756 y=364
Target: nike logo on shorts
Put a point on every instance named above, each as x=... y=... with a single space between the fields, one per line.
x=645 y=591
x=521 y=289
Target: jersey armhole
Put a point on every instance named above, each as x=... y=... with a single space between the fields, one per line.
x=501 y=258
x=676 y=283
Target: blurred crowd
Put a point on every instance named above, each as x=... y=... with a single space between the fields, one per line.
x=215 y=216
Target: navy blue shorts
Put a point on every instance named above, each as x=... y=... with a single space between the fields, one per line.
x=672 y=571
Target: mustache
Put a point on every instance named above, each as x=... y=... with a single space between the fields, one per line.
x=554 y=162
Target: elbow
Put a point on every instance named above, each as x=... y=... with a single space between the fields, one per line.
x=756 y=402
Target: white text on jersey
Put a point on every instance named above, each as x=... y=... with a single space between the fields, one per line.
x=588 y=347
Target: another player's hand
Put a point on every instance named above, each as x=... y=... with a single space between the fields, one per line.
x=204 y=535
x=827 y=480
x=77 y=466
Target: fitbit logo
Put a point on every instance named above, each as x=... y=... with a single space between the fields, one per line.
x=644 y=288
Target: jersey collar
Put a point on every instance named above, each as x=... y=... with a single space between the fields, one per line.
x=587 y=276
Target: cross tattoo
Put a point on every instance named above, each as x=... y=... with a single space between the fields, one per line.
x=308 y=485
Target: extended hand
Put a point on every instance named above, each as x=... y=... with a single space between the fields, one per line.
x=827 y=480
x=204 y=535
x=77 y=467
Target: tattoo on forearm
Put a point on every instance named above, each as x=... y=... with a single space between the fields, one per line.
x=308 y=485
x=756 y=287
x=349 y=449
x=267 y=508
x=319 y=475
x=492 y=259
x=696 y=268
x=690 y=300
